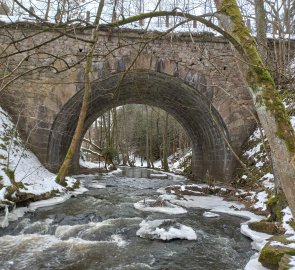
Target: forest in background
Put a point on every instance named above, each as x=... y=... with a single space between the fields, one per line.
x=134 y=131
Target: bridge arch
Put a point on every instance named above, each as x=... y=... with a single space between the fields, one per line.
x=202 y=122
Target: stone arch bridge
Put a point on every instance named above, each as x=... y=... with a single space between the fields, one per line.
x=194 y=78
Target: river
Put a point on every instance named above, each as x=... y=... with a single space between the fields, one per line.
x=97 y=230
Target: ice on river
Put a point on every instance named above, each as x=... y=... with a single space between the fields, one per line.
x=150 y=205
x=165 y=229
x=210 y=215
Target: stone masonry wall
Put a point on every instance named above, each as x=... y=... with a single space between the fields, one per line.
x=206 y=63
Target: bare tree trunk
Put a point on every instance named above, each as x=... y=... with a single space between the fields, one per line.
x=114 y=13
x=47 y=10
x=96 y=138
x=127 y=145
x=105 y=128
x=114 y=127
x=165 y=144
x=65 y=167
x=109 y=129
x=147 y=139
x=261 y=28
x=270 y=109
x=151 y=139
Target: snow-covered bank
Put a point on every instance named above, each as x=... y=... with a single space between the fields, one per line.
x=18 y=161
x=262 y=180
x=33 y=181
x=19 y=212
x=21 y=164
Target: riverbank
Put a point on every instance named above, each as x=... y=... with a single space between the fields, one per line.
x=104 y=217
x=213 y=199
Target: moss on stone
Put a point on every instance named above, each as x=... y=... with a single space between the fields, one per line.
x=275 y=205
x=267 y=227
x=271 y=255
x=76 y=185
x=10 y=190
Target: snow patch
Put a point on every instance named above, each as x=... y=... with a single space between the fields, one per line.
x=2 y=193
x=286 y=219
x=267 y=181
x=261 y=200
x=292 y=262
x=165 y=229
x=259 y=164
x=259 y=239
x=280 y=244
x=256 y=149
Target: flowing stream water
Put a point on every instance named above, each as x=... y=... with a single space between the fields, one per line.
x=97 y=230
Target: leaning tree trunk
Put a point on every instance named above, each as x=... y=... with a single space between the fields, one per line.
x=270 y=109
x=67 y=163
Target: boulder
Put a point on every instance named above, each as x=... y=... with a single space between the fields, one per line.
x=273 y=252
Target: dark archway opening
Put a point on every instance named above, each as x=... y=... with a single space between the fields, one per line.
x=203 y=124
